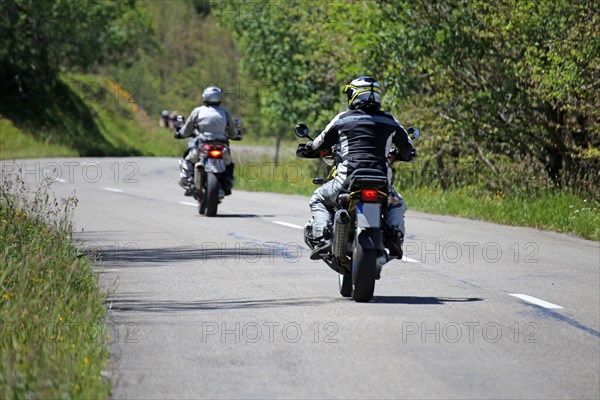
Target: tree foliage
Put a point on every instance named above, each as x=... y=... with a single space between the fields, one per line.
x=186 y=53
x=38 y=37
x=497 y=87
x=490 y=81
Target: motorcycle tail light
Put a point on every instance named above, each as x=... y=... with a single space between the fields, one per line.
x=215 y=153
x=368 y=195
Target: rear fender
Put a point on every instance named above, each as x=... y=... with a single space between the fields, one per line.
x=370 y=238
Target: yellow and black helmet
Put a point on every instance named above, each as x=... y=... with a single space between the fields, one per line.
x=363 y=92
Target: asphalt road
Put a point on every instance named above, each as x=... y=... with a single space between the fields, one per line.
x=232 y=307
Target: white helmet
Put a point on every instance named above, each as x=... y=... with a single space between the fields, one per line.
x=211 y=95
x=363 y=92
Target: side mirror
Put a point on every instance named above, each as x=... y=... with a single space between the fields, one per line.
x=413 y=133
x=301 y=131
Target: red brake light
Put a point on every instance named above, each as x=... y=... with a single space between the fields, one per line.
x=368 y=195
x=215 y=153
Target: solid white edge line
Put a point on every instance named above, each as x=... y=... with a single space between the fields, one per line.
x=288 y=224
x=113 y=189
x=535 y=300
x=187 y=203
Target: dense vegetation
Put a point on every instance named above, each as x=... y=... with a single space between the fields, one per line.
x=497 y=86
x=505 y=92
x=53 y=336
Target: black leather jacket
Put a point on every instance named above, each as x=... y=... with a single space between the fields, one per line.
x=365 y=140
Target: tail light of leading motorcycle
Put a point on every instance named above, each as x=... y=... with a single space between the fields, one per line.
x=215 y=153
x=369 y=195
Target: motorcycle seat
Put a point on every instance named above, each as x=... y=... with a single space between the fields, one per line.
x=366 y=177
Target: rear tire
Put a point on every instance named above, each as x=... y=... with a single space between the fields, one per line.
x=201 y=203
x=212 y=194
x=345 y=283
x=364 y=272
x=200 y=194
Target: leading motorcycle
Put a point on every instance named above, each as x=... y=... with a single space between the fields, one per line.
x=208 y=182
x=359 y=232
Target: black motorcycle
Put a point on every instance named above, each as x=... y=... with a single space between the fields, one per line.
x=359 y=230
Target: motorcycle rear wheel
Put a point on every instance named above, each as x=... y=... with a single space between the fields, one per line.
x=364 y=272
x=212 y=194
x=200 y=194
x=345 y=284
x=201 y=205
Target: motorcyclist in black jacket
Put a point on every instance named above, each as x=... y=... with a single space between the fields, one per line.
x=365 y=135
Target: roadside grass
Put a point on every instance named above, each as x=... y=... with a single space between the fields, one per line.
x=553 y=210
x=16 y=143
x=89 y=115
x=82 y=115
x=257 y=171
x=549 y=209
x=53 y=337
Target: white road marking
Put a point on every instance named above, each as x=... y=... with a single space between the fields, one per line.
x=410 y=260
x=288 y=224
x=535 y=300
x=187 y=203
x=113 y=189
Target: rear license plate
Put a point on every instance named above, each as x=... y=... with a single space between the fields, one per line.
x=368 y=215
x=215 y=165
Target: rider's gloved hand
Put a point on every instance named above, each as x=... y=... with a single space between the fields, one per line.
x=413 y=155
x=307 y=150
x=177 y=134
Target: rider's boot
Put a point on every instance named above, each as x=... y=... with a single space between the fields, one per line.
x=229 y=179
x=321 y=245
x=185 y=176
x=393 y=241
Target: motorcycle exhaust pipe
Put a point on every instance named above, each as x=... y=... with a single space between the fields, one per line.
x=341 y=230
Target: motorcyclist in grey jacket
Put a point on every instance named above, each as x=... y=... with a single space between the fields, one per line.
x=365 y=134
x=209 y=122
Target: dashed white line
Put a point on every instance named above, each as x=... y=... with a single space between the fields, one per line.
x=410 y=260
x=113 y=189
x=288 y=224
x=187 y=203
x=535 y=300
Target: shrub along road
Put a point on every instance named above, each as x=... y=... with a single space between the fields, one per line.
x=232 y=306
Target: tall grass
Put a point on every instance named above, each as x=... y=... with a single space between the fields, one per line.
x=555 y=210
x=536 y=204
x=53 y=339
